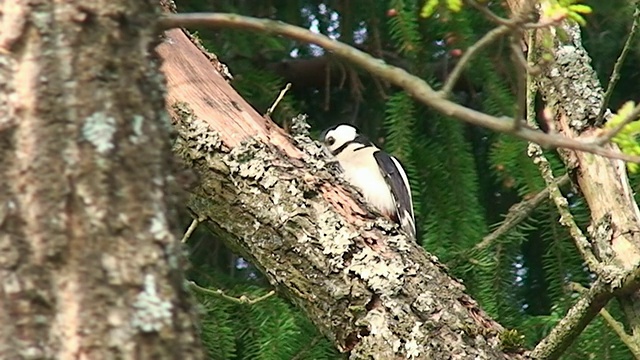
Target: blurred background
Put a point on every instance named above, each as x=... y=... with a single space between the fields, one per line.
x=464 y=178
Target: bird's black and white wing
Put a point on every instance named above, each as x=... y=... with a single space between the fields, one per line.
x=398 y=182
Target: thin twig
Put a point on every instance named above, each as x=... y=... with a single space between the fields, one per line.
x=491 y=15
x=412 y=84
x=517 y=213
x=615 y=74
x=278 y=99
x=614 y=324
x=566 y=218
x=521 y=76
x=190 y=230
x=455 y=74
x=516 y=22
x=542 y=24
x=243 y=300
x=631 y=117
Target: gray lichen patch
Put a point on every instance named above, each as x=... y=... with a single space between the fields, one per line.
x=98 y=129
x=380 y=274
x=412 y=346
x=315 y=155
x=151 y=313
x=575 y=81
x=136 y=126
x=334 y=241
x=197 y=139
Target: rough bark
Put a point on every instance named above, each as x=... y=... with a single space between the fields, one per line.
x=89 y=267
x=571 y=89
x=572 y=92
x=365 y=285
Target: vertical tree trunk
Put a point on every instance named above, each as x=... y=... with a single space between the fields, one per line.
x=88 y=254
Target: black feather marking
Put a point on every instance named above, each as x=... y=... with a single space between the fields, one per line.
x=359 y=140
x=401 y=192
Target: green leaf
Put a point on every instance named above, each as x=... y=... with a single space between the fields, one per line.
x=626 y=138
x=580 y=8
x=429 y=8
x=577 y=18
x=454 y=5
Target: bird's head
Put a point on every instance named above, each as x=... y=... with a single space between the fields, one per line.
x=336 y=137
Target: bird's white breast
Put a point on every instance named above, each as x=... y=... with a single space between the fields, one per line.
x=362 y=171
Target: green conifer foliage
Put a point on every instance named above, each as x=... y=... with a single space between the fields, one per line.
x=464 y=179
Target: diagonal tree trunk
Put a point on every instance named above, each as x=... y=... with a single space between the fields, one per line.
x=89 y=267
x=373 y=292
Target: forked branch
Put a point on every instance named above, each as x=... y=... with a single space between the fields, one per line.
x=412 y=84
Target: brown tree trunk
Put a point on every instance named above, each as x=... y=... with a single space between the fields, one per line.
x=573 y=94
x=89 y=267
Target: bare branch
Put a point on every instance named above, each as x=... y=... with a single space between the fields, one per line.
x=517 y=213
x=535 y=152
x=414 y=85
x=577 y=318
x=566 y=218
x=190 y=230
x=615 y=74
x=278 y=99
x=522 y=69
x=491 y=15
x=487 y=39
x=241 y=300
x=614 y=324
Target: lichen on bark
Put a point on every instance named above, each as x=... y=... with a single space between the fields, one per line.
x=368 y=287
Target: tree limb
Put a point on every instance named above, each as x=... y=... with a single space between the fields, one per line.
x=573 y=96
x=415 y=86
x=614 y=324
x=369 y=289
x=581 y=314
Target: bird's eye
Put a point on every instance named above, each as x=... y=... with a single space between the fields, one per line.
x=331 y=140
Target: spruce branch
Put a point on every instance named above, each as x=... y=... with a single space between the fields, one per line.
x=414 y=85
x=615 y=74
x=303 y=352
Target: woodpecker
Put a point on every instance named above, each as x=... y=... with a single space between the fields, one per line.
x=376 y=174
